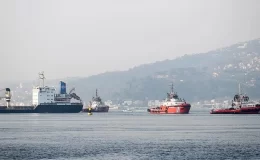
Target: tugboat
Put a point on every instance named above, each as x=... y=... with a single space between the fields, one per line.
x=96 y=105
x=172 y=105
x=240 y=105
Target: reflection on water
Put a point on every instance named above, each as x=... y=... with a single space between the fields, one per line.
x=129 y=135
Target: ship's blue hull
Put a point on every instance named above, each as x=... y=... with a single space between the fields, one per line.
x=43 y=108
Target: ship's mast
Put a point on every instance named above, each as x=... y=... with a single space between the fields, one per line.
x=172 y=88
x=239 y=89
x=42 y=77
x=96 y=93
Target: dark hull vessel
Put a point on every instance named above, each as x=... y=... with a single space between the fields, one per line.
x=45 y=100
x=247 y=110
x=51 y=108
x=97 y=109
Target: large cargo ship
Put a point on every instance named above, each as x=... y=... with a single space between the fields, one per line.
x=45 y=100
x=96 y=105
x=240 y=105
x=172 y=105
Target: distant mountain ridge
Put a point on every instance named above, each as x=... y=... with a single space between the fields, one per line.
x=197 y=76
x=201 y=76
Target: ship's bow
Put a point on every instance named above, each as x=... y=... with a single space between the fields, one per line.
x=185 y=109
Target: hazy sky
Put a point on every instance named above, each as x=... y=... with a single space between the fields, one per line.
x=67 y=38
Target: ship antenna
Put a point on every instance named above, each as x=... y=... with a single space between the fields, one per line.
x=42 y=77
x=239 y=89
x=172 y=87
x=96 y=93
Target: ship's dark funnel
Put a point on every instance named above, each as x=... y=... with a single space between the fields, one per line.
x=62 y=87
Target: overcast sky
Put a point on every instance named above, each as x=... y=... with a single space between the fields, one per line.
x=67 y=38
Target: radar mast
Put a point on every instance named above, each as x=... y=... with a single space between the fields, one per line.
x=42 y=77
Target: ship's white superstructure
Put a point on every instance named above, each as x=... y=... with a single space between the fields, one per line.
x=97 y=102
x=97 y=105
x=43 y=95
x=173 y=99
x=47 y=95
x=242 y=100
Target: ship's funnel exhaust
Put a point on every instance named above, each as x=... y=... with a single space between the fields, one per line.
x=7 y=96
x=62 y=87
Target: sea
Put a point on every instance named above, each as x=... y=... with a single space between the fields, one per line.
x=118 y=135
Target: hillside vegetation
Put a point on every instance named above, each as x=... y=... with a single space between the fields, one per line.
x=202 y=76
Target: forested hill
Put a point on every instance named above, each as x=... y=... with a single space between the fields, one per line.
x=201 y=76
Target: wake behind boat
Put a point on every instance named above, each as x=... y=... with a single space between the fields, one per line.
x=172 y=105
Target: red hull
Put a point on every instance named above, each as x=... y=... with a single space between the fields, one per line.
x=247 y=110
x=180 y=109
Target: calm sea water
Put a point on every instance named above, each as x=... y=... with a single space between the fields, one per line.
x=129 y=136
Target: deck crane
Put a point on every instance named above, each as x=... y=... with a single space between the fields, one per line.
x=6 y=96
x=73 y=95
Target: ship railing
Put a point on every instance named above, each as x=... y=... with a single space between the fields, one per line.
x=54 y=103
x=249 y=102
x=62 y=95
x=66 y=103
x=62 y=100
x=24 y=107
x=76 y=103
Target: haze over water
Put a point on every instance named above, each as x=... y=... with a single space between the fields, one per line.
x=66 y=38
x=118 y=135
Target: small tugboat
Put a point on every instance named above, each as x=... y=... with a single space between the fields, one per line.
x=172 y=105
x=96 y=105
x=240 y=105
